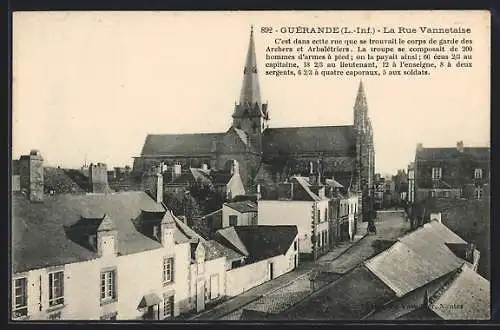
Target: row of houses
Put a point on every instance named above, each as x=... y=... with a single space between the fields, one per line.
x=124 y=255
x=427 y=274
x=324 y=212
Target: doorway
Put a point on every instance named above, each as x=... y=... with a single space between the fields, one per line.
x=152 y=313
x=200 y=296
x=271 y=270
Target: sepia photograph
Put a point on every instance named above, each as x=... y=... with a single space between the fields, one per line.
x=250 y=166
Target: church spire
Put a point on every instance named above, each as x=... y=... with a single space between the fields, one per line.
x=360 y=108
x=250 y=91
x=361 y=98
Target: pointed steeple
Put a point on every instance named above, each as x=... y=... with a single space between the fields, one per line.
x=360 y=97
x=250 y=91
x=360 y=109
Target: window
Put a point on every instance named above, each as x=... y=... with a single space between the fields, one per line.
x=168 y=306
x=319 y=215
x=233 y=220
x=55 y=316
x=108 y=285
x=326 y=214
x=214 y=286
x=433 y=193
x=20 y=297
x=168 y=270
x=478 y=173
x=436 y=173
x=479 y=193
x=56 y=288
x=295 y=245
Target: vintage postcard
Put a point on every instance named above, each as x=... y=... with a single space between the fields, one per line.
x=232 y=165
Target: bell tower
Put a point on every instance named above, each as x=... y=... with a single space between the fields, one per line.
x=250 y=114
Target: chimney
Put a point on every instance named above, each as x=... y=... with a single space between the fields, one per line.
x=98 y=177
x=176 y=171
x=159 y=184
x=460 y=146
x=258 y=191
x=420 y=146
x=235 y=167
x=31 y=175
x=469 y=252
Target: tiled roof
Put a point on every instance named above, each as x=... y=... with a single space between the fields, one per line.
x=416 y=259
x=467 y=297
x=479 y=153
x=243 y=207
x=291 y=140
x=179 y=144
x=264 y=242
x=40 y=236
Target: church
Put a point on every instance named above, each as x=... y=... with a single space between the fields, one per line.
x=272 y=155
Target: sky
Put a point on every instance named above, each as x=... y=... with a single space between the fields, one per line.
x=90 y=86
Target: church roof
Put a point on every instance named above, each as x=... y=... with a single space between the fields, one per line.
x=179 y=144
x=290 y=140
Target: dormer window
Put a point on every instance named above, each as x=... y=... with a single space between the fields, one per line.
x=478 y=173
x=436 y=173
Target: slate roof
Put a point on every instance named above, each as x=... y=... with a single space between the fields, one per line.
x=244 y=198
x=42 y=236
x=259 y=242
x=290 y=140
x=469 y=293
x=478 y=153
x=416 y=259
x=229 y=237
x=216 y=250
x=349 y=298
x=221 y=178
x=179 y=144
x=243 y=207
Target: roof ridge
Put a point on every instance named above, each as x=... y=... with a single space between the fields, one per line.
x=435 y=297
x=320 y=126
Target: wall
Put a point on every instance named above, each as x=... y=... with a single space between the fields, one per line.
x=241 y=279
x=16 y=183
x=244 y=219
x=82 y=285
x=424 y=193
x=297 y=213
x=215 y=266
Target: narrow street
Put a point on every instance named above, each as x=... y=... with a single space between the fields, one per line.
x=287 y=290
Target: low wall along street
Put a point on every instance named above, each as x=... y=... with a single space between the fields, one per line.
x=358 y=51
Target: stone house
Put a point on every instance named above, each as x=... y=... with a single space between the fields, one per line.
x=459 y=172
